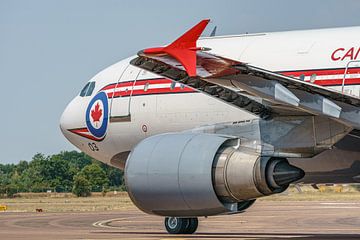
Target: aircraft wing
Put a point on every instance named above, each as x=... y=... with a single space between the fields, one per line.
x=257 y=90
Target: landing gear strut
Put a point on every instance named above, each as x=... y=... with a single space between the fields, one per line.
x=175 y=225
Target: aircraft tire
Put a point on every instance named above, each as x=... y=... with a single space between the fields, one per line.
x=175 y=225
x=193 y=225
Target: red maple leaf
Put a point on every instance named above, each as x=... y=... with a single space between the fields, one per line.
x=96 y=113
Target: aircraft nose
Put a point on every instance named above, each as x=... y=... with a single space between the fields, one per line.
x=72 y=117
x=65 y=120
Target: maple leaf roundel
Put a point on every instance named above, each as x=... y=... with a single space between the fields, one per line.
x=97 y=115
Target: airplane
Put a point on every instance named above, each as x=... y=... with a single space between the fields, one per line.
x=206 y=125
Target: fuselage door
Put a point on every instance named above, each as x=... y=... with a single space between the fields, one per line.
x=352 y=74
x=120 y=106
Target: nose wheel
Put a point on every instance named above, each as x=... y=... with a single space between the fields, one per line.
x=175 y=225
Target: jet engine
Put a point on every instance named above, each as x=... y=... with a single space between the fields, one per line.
x=197 y=174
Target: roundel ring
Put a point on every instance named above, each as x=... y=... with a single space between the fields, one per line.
x=101 y=131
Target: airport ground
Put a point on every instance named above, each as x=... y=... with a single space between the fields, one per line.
x=308 y=215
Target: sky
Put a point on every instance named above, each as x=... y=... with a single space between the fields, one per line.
x=49 y=49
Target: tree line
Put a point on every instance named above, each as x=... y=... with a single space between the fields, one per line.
x=68 y=171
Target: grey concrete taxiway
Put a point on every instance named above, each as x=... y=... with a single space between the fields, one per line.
x=265 y=220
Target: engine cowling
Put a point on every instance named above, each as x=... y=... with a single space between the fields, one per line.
x=200 y=174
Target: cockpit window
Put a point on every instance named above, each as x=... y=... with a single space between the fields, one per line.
x=88 y=89
x=84 y=90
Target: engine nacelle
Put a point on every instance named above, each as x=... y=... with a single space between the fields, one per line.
x=189 y=174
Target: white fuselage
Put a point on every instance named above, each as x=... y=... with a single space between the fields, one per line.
x=141 y=104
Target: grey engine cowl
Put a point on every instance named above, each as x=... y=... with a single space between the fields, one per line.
x=187 y=174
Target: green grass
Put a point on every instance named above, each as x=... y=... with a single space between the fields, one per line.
x=67 y=203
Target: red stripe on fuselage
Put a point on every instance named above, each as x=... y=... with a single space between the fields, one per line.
x=110 y=86
x=168 y=90
x=327 y=72
x=84 y=132
x=338 y=82
x=149 y=91
x=320 y=72
x=137 y=83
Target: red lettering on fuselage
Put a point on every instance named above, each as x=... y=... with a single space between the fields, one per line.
x=337 y=52
x=342 y=54
x=357 y=54
x=349 y=54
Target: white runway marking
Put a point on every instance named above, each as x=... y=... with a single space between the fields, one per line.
x=103 y=223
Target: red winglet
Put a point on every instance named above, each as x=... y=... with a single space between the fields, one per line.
x=184 y=48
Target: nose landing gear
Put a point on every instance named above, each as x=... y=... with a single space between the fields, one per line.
x=175 y=225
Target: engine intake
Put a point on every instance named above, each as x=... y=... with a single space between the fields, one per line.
x=200 y=174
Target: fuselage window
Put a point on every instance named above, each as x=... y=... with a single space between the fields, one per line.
x=302 y=77
x=146 y=86
x=172 y=86
x=313 y=78
x=84 y=90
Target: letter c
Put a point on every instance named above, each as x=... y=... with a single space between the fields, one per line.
x=333 y=55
